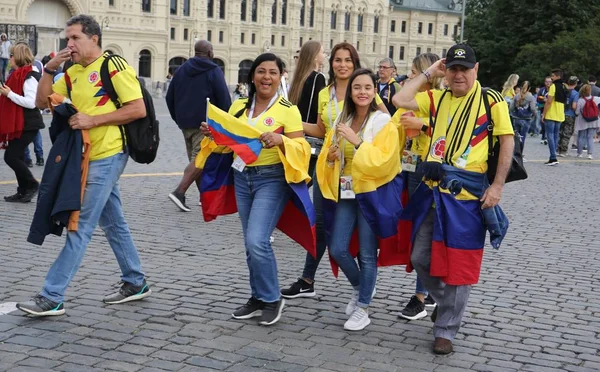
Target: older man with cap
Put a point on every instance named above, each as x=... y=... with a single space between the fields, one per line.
x=387 y=85
x=448 y=215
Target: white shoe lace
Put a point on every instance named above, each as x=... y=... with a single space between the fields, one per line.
x=358 y=315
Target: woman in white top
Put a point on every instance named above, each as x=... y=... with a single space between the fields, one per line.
x=585 y=127
x=5 y=46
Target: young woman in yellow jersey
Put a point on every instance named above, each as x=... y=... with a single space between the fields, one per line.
x=342 y=63
x=418 y=128
x=261 y=189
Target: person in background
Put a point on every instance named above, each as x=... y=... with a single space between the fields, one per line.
x=554 y=113
x=595 y=89
x=522 y=111
x=419 y=145
x=20 y=120
x=5 y=46
x=568 y=126
x=196 y=80
x=542 y=95
x=508 y=90
x=387 y=86
x=585 y=129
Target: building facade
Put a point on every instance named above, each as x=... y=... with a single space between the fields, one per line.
x=156 y=36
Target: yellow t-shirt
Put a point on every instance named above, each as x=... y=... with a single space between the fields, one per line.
x=420 y=144
x=556 y=112
x=90 y=98
x=282 y=117
x=327 y=109
x=462 y=142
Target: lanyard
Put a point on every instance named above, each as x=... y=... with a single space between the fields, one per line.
x=254 y=121
x=335 y=101
x=343 y=142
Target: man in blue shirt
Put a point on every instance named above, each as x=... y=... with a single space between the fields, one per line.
x=568 y=126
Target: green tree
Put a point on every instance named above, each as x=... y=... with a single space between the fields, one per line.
x=508 y=35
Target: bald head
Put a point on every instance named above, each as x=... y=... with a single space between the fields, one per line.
x=203 y=48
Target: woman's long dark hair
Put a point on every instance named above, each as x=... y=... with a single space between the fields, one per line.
x=353 y=54
x=349 y=105
x=265 y=57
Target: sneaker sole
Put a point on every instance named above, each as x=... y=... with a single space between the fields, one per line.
x=136 y=297
x=43 y=313
x=430 y=306
x=249 y=316
x=420 y=315
x=277 y=318
x=300 y=295
x=359 y=328
x=178 y=203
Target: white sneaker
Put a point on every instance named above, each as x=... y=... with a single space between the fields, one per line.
x=353 y=304
x=590 y=157
x=358 y=320
x=580 y=155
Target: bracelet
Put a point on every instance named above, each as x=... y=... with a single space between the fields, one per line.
x=357 y=146
x=427 y=75
x=330 y=164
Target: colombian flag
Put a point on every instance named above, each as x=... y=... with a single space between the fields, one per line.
x=458 y=234
x=378 y=186
x=233 y=136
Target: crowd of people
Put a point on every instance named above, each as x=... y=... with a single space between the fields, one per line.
x=399 y=171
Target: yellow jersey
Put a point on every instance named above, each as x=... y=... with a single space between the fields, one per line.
x=556 y=112
x=90 y=98
x=282 y=117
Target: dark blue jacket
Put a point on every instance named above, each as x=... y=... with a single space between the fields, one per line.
x=60 y=189
x=197 y=79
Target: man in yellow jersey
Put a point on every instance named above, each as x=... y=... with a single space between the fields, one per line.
x=451 y=212
x=554 y=113
x=101 y=201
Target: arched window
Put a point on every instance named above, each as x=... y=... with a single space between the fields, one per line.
x=274 y=13
x=174 y=64
x=311 y=16
x=244 y=10
x=244 y=70
x=254 y=10
x=145 y=64
x=222 y=9
x=284 y=12
x=302 y=11
x=219 y=62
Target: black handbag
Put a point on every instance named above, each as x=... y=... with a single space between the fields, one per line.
x=517 y=171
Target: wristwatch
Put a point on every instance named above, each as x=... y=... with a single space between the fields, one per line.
x=48 y=71
x=424 y=128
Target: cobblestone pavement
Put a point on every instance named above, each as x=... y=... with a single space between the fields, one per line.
x=536 y=308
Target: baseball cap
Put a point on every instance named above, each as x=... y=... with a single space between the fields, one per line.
x=461 y=54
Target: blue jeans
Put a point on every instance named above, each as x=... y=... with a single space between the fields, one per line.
x=585 y=138
x=522 y=127
x=101 y=205
x=414 y=180
x=3 y=65
x=38 y=148
x=552 y=128
x=261 y=194
x=311 y=264
x=348 y=216
x=536 y=128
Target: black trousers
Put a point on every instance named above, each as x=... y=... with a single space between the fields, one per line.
x=14 y=157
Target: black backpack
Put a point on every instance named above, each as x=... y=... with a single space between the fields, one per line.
x=141 y=134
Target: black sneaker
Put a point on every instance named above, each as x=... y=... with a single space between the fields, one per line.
x=434 y=314
x=128 y=292
x=414 y=310
x=300 y=288
x=40 y=162
x=16 y=198
x=251 y=309
x=271 y=312
x=41 y=306
x=429 y=302
x=179 y=200
x=551 y=162
x=29 y=194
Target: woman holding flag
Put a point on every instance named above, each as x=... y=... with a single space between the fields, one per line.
x=362 y=150
x=343 y=61
x=269 y=168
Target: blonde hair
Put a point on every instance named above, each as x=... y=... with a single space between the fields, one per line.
x=585 y=91
x=510 y=83
x=22 y=54
x=306 y=65
x=423 y=61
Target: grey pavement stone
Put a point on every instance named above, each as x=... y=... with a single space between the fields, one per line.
x=534 y=309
